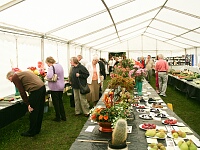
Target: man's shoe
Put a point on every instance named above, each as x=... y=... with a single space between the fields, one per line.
x=56 y=119
x=26 y=134
x=63 y=119
x=86 y=115
x=77 y=114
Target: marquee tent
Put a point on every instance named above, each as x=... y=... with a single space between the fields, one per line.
x=35 y=29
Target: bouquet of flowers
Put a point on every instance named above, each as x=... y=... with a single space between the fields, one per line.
x=40 y=73
x=138 y=73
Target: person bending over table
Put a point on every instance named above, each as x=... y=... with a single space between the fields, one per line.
x=27 y=81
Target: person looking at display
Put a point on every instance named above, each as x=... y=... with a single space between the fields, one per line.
x=27 y=81
x=56 y=88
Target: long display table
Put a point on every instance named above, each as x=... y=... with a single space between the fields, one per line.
x=190 y=88
x=96 y=139
x=11 y=111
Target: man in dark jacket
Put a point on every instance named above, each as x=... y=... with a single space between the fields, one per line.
x=28 y=81
x=102 y=68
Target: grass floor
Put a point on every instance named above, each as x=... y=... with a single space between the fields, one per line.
x=61 y=135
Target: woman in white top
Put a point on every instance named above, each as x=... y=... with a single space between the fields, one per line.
x=93 y=81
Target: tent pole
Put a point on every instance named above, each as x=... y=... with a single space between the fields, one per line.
x=16 y=46
x=196 y=57
x=68 y=57
x=42 y=49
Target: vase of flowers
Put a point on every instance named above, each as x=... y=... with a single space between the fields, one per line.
x=139 y=87
x=139 y=74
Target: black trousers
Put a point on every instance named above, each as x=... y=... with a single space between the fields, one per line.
x=36 y=100
x=57 y=99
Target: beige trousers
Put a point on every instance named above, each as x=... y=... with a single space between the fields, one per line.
x=81 y=103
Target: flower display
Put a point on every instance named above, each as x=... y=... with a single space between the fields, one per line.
x=127 y=83
x=112 y=114
x=16 y=70
x=127 y=63
x=40 y=73
x=121 y=71
x=138 y=73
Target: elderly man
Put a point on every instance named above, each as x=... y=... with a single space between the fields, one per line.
x=27 y=81
x=162 y=69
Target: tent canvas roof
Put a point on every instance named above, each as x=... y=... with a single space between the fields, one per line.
x=106 y=25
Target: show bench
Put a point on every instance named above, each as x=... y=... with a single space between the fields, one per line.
x=190 y=88
x=90 y=138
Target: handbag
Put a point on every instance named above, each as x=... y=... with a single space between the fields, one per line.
x=55 y=76
x=84 y=89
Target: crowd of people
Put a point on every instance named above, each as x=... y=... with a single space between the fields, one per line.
x=81 y=71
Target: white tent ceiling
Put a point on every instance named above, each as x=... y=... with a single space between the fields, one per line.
x=106 y=24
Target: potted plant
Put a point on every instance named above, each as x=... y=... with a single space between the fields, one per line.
x=107 y=117
x=119 y=136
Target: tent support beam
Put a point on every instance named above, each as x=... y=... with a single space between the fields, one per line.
x=87 y=17
x=109 y=26
x=114 y=32
x=10 y=4
x=111 y=18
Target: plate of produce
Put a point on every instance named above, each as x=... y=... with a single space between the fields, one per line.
x=187 y=144
x=147 y=126
x=155 y=110
x=157 y=105
x=158 y=146
x=146 y=117
x=177 y=134
x=161 y=115
x=170 y=122
x=152 y=133
x=141 y=110
x=151 y=100
x=140 y=107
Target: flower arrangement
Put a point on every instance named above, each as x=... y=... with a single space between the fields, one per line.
x=127 y=83
x=41 y=74
x=16 y=70
x=127 y=63
x=119 y=70
x=138 y=73
x=112 y=114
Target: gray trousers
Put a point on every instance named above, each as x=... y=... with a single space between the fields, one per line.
x=162 y=80
x=81 y=103
x=149 y=74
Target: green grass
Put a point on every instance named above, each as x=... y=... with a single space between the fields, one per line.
x=61 y=135
x=54 y=135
